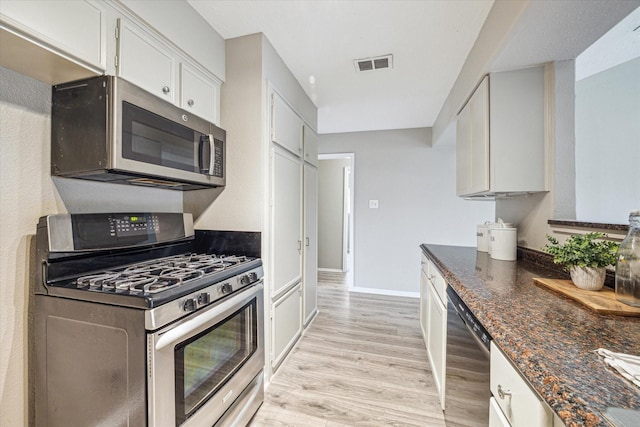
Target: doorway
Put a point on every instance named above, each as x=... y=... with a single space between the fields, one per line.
x=335 y=214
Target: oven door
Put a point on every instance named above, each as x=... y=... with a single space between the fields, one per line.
x=198 y=367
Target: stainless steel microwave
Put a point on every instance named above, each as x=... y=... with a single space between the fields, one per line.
x=106 y=129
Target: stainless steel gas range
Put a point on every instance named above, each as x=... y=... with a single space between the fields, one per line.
x=137 y=322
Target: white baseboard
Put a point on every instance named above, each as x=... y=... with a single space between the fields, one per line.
x=331 y=270
x=385 y=292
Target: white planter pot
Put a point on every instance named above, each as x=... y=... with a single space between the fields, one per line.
x=588 y=278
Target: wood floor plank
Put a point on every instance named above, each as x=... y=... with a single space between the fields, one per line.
x=362 y=362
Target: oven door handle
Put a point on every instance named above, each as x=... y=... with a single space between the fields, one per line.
x=179 y=333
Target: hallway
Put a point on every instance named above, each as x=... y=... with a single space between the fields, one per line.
x=362 y=362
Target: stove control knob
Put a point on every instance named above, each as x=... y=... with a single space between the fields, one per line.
x=190 y=305
x=204 y=298
x=253 y=276
x=226 y=288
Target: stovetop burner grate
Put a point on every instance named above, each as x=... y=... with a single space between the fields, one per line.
x=158 y=275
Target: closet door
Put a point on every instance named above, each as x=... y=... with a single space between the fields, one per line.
x=310 y=277
x=286 y=217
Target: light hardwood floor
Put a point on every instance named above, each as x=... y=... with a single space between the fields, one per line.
x=362 y=362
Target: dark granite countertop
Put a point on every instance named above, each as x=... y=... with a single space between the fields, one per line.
x=550 y=338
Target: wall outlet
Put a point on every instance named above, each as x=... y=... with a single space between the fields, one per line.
x=373 y=204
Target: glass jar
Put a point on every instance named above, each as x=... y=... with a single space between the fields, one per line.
x=628 y=264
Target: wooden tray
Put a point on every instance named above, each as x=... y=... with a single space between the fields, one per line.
x=602 y=301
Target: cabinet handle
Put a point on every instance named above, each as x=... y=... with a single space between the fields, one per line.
x=190 y=103
x=166 y=90
x=299 y=245
x=306 y=241
x=502 y=392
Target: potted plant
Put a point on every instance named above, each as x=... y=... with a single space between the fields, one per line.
x=585 y=256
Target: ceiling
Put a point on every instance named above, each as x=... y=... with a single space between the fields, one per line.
x=429 y=41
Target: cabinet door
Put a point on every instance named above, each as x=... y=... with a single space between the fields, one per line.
x=76 y=28
x=286 y=324
x=199 y=94
x=310 y=142
x=145 y=61
x=518 y=402
x=463 y=151
x=286 y=126
x=310 y=278
x=286 y=217
x=496 y=417
x=479 y=106
x=437 y=343
x=424 y=306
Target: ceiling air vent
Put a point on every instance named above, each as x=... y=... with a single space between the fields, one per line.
x=377 y=63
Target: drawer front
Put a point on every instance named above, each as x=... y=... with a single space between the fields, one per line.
x=424 y=264
x=518 y=402
x=438 y=282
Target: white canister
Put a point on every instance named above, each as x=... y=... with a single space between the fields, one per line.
x=483 y=237
x=504 y=243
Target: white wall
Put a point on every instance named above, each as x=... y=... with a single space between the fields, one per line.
x=27 y=192
x=415 y=186
x=608 y=144
x=331 y=212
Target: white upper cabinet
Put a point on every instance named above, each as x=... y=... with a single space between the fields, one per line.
x=472 y=143
x=199 y=93
x=310 y=143
x=501 y=135
x=286 y=126
x=54 y=41
x=148 y=62
x=144 y=61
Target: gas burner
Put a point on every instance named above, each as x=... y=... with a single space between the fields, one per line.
x=158 y=275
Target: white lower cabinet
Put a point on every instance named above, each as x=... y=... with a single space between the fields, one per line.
x=433 y=320
x=286 y=324
x=424 y=305
x=516 y=401
x=496 y=417
x=437 y=340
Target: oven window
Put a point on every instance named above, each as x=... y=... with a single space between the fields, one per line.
x=150 y=138
x=208 y=360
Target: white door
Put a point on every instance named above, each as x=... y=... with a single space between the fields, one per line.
x=286 y=325
x=286 y=209
x=310 y=278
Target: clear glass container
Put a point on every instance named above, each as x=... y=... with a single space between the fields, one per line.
x=628 y=264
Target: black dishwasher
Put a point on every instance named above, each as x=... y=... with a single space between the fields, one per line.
x=467 y=389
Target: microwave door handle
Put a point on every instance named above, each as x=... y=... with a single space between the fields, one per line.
x=205 y=154
x=212 y=154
